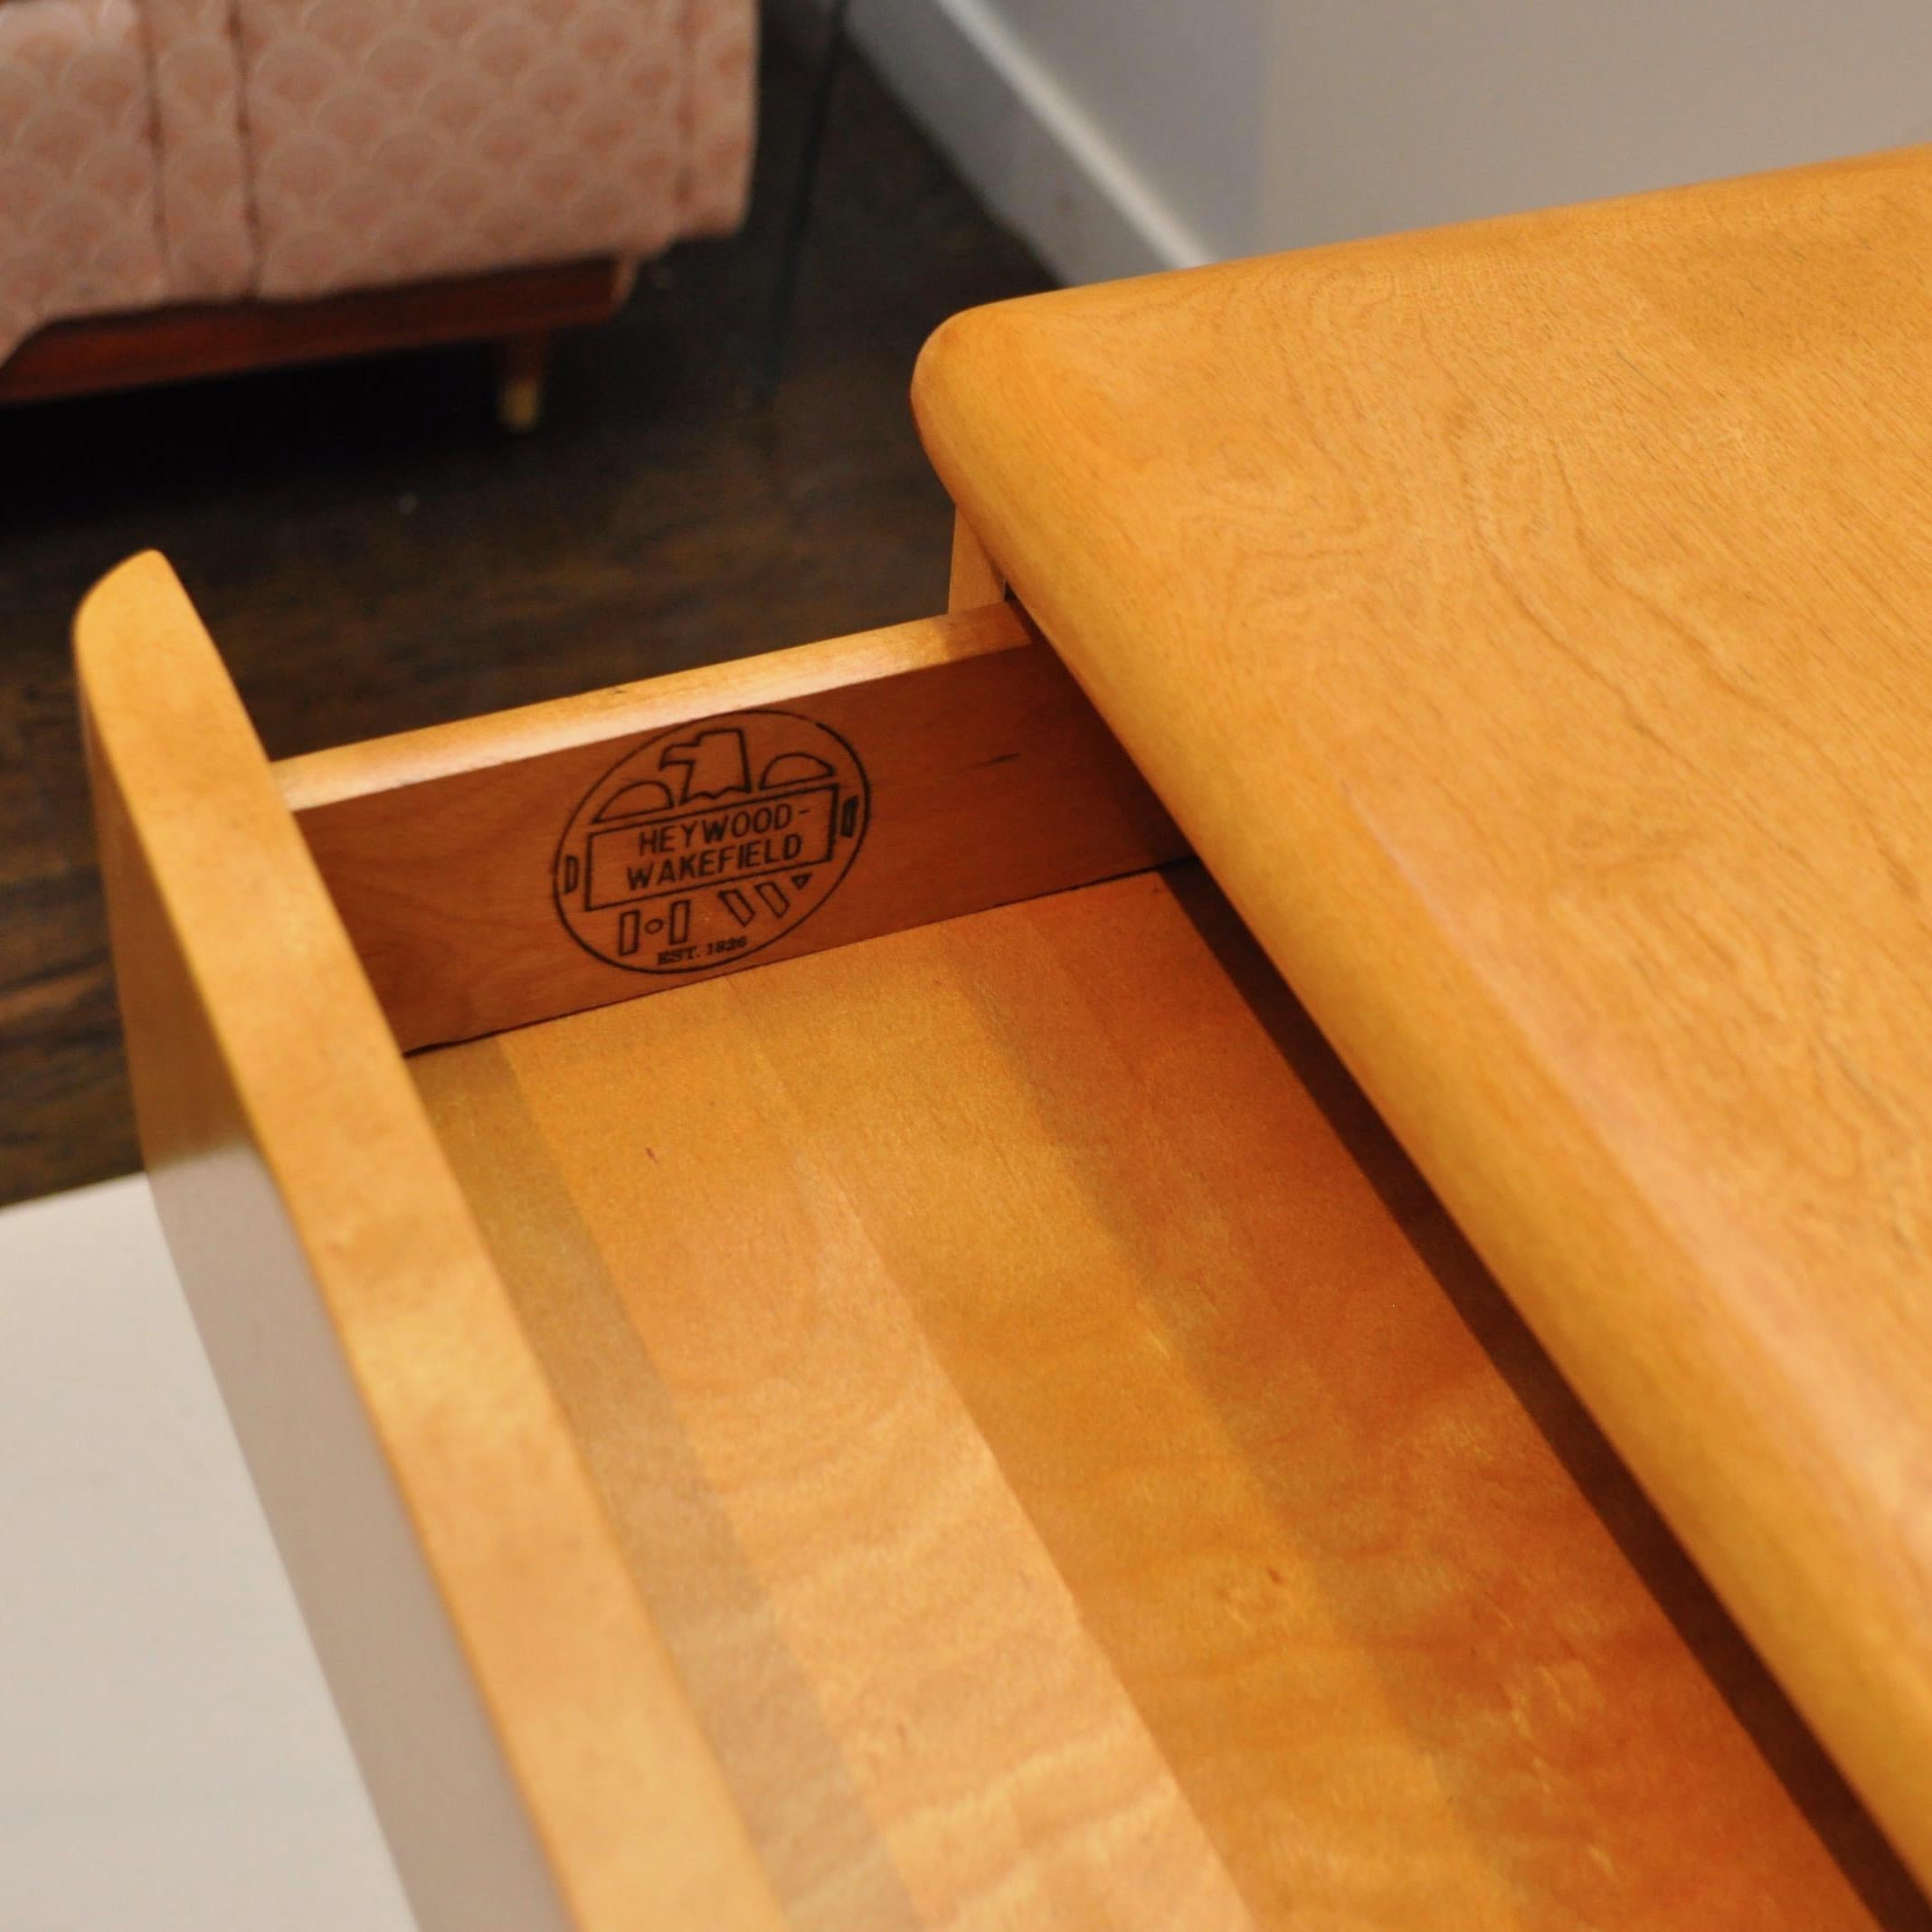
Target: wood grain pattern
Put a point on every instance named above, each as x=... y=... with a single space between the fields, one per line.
x=432 y=1514
x=183 y=343
x=1524 y=622
x=989 y=778
x=1071 y=1182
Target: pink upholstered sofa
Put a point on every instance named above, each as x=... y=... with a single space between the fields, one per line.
x=252 y=171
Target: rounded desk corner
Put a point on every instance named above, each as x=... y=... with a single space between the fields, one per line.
x=957 y=353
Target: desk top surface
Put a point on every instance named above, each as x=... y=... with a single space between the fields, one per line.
x=1525 y=621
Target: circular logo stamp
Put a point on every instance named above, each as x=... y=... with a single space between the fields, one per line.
x=710 y=841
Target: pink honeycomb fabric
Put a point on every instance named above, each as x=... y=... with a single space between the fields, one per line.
x=395 y=138
x=157 y=150
x=77 y=194
x=203 y=162
x=720 y=55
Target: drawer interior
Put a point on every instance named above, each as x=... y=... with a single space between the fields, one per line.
x=1071 y=1457
x=971 y=1420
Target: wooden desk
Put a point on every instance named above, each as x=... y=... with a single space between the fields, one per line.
x=966 y=1416
x=1527 y=624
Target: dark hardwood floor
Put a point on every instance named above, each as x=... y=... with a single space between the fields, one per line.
x=372 y=555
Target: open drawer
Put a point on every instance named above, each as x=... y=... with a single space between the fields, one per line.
x=953 y=1410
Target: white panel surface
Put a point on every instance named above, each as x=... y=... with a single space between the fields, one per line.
x=1119 y=136
x=169 y=1757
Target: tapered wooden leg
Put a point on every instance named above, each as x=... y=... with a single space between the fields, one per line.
x=976 y=579
x=522 y=364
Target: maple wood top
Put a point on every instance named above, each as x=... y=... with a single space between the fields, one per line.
x=1525 y=622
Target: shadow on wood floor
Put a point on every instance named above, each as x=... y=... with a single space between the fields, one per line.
x=372 y=554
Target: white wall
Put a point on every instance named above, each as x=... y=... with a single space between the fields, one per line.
x=1124 y=134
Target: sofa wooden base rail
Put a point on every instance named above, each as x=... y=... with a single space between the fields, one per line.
x=518 y=310
x=952 y=1410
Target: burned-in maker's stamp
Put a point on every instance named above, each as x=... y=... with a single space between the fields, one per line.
x=710 y=841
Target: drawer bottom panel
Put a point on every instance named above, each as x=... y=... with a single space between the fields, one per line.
x=1082 y=1475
